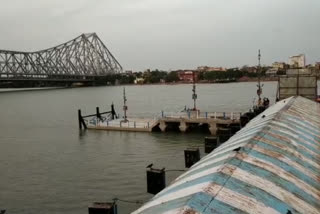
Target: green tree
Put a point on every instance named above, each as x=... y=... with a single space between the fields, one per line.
x=172 y=77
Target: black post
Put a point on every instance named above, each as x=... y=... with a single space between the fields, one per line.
x=191 y=156
x=79 y=119
x=103 y=208
x=98 y=113
x=113 y=112
x=210 y=143
x=156 y=180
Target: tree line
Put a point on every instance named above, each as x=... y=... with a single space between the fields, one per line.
x=158 y=76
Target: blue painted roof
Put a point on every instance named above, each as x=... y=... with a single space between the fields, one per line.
x=272 y=165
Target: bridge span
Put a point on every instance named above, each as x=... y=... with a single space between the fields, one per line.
x=85 y=60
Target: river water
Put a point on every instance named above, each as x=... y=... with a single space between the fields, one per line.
x=48 y=166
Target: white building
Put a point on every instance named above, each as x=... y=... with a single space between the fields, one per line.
x=300 y=71
x=279 y=65
x=298 y=61
x=272 y=71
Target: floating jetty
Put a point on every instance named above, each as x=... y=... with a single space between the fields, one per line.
x=183 y=121
x=272 y=165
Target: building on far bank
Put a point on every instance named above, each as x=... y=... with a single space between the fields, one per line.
x=249 y=69
x=299 y=71
x=272 y=71
x=298 y=61
x=316 y=69
x=208 y=69
x=187 y=75
x=279 y=65
x=139 y=81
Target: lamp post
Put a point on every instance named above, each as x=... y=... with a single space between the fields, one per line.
x=125 y=107
x=259 y=91
x=194 y=95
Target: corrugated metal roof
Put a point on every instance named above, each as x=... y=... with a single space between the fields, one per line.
x=270 y=166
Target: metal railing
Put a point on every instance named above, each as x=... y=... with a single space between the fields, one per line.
x=202 y=115
x=119 y=123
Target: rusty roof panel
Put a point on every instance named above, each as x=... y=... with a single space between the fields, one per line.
x=270 y=166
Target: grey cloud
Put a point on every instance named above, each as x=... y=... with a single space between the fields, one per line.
x=169 y=34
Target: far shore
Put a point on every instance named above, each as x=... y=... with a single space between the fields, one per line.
x=269 y=79
x=7 y=90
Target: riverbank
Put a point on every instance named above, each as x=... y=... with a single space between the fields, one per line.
x=244 y=79
x=8 y=90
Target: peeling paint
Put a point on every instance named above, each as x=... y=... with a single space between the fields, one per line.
x=276 y=169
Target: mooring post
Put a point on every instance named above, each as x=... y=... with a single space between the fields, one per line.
x=98 y=112
x=156 y=180
x=113 y=112
x=79 y=119
x=103 y=207
x=210 y=143
x=191 y=156
x=162 y=114
x=206 y=115
x=224 y=115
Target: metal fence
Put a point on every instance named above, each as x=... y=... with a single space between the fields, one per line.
x=202 y=115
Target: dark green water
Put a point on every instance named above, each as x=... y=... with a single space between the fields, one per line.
x=48 y=166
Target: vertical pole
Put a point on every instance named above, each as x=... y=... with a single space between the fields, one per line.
x=298 y=83
x=278 y=90
x=79 y=119
x=206 y=115
x=97 y=111
x=162 y=114
x=113 y=112
x=224 y=115
x=194 y=95
x=259 y=91
x=98 y=114
x=125 y=107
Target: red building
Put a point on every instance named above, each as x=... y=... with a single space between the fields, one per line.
x=187 y=76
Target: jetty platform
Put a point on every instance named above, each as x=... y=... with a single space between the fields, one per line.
x=131 y=124
x=183 y=121
x=272 y=165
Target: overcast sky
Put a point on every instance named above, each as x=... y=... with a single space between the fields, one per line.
x=169 y=34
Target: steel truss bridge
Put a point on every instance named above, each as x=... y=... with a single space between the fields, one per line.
x=84 y=59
